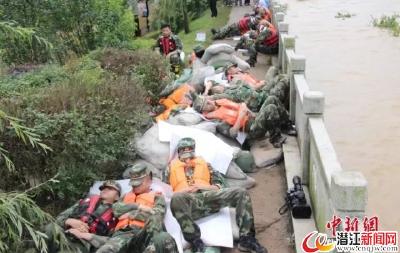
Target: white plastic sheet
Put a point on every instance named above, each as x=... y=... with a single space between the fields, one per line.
x=208 y=146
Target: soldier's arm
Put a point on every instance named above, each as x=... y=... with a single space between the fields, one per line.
x=178 y=43
x=62 y=217
x=217 y=178
x=159 y=205
x=262 y=36
x=120 y=208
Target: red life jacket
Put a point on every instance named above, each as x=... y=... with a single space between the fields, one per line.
x=273 y=38
x=244 y=25
x=99 y=224
x=167 y=45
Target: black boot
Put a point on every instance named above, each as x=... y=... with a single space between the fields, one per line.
x=198 y=246
x=289 y=129
x=213 y=31
x=250 y=244
x=251 y=62
x=277 y=140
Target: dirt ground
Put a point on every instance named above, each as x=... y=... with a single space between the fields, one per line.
x=273 y=230
x=267 y=197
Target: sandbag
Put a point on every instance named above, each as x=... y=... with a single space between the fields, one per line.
x=247 y=183
x=200 y=74
x=228 y=141
x=150 y=149
x=215 y=49
x=270 y=75
x=242 y=64
x=234 y=172
x=156 y=172
x=208 y=126
x=185 y=119
x=220 y=57
x=245 y=160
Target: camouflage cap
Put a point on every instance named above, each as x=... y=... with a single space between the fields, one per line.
x=111 y=184
x=228 y=66
x=186 y=143
x=198 y=48
x=198 y=102
x=137 y=174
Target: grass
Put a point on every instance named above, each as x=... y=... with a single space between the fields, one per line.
x=204 y=24
x=391 y=23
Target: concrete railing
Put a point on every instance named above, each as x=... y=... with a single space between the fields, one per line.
x=332 y=189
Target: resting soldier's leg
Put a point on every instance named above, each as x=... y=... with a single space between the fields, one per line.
x=116 y=243
x=227 y=31
x=161 y=243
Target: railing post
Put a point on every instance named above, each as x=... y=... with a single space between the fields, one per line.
x=313 y=106
x=297 y=65
x=349 y=194
x=286 y=42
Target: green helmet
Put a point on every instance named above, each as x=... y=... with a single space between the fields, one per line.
x=186 y=143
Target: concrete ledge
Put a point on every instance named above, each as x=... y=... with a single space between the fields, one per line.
x=301 y=227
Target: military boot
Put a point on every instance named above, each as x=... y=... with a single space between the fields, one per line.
x=250 y=244
x=198 y=246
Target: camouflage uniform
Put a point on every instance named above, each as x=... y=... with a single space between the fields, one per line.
x=76 y=245
x=227 y=31
x=188 y=207
x=151 y=237
x=255 y=44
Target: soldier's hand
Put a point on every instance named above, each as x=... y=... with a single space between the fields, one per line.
x=146 y=209
x=77 y=224
x=80 y=235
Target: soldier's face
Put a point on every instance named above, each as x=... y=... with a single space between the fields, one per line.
x=209 y=106
x=109 y=195
x=144 y=187
x=166 y=31
x=233 y=70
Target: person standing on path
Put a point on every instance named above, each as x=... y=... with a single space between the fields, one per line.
x=213 y=8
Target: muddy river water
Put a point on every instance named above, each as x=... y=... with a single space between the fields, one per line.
x=357 y=66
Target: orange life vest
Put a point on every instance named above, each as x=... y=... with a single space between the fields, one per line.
x=178 y=179
x=267 y=15
x=146 y=199
x=228 y=112
x=174 y=100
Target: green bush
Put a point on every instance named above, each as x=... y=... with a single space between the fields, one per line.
x=87 y=115
x=148 y=66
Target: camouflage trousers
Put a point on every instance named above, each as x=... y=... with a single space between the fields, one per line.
x=254 y=48
x=271 y=117
x=279 y=88
x=74 y=245
x=188 y=207
x=139 y=240
x=227 y=31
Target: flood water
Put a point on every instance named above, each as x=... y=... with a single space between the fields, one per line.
x=357 y=66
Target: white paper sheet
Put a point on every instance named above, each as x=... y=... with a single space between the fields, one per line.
x=208 y=146
x=216 y=229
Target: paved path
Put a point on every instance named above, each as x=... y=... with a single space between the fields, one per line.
x=272 y=228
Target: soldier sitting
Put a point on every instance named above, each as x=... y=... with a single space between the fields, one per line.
x=141 y=213
x=199 y=191
x=168 y=42
x=244 y=25
x=266 y=42
x=87 y=223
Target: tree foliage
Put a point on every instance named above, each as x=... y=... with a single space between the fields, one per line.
x=76 y=26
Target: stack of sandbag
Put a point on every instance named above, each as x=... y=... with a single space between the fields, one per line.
x=150 y=149
x=219 y=55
